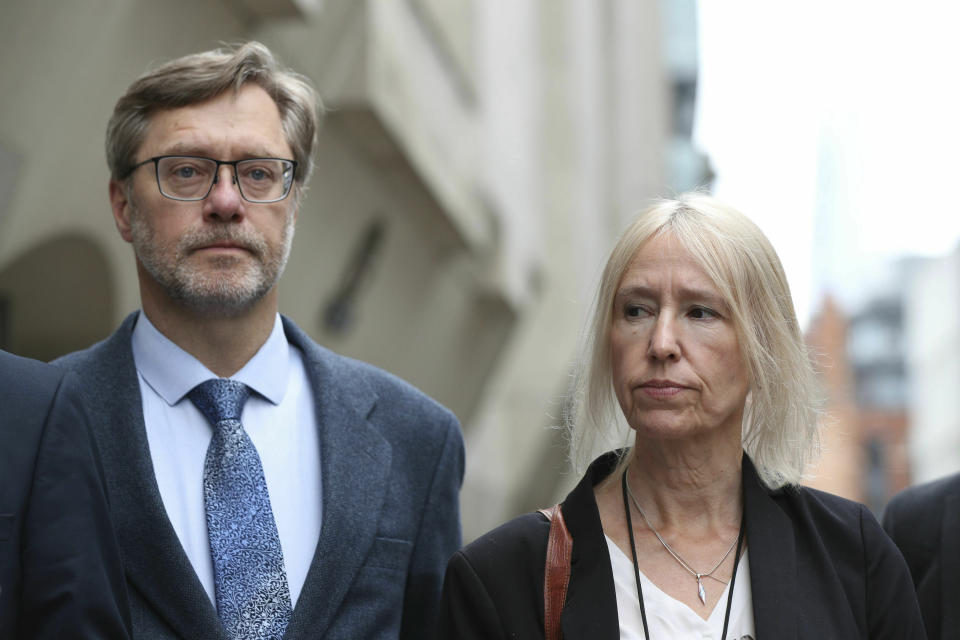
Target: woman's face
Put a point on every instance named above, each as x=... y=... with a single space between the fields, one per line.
x=677 y=366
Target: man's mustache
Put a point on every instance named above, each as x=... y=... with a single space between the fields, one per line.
x=244 y=239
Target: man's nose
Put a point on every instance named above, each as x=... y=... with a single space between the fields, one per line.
x=224 y=201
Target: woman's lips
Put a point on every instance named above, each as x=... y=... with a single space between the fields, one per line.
x=662 y=388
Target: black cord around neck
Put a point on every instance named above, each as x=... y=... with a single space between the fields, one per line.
x=636 y=566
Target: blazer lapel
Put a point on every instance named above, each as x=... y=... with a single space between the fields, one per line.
x=155 y=562
x=950 y=565
x=355 y=466
x=590 y=610
x=773 y=560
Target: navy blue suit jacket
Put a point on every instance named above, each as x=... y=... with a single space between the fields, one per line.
x=821 y=568
x=391 y=463
x=60 y=572
x=924 y=521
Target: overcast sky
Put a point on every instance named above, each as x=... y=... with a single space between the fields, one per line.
x=836 y=126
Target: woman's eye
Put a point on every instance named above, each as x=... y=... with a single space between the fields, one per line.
x=634 y=311
x=702 y=313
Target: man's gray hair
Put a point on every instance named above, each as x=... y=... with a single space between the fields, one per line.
x=199 y=77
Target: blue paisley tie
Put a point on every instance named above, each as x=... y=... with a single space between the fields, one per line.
x=253 y=600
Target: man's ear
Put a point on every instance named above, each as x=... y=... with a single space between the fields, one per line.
x=120 y=204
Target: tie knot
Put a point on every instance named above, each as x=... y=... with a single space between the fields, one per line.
x=220 y=399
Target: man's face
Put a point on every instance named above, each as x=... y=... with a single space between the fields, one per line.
x=220 y=255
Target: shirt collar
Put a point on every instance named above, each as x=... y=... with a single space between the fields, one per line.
x=172 y=372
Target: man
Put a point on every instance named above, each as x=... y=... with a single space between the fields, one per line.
x=261 y=486
x=60 y=573
x=924 y=521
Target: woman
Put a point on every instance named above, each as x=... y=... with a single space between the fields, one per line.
x=700 y=529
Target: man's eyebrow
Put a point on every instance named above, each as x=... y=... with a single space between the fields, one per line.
x=182 y=149
x=191 y=149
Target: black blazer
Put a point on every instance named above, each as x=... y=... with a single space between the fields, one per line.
x=820 y=568
x=924 y=521
x=60 y=572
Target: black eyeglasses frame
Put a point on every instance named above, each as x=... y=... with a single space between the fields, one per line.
x=216 y=176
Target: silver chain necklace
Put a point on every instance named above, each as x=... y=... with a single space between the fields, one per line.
x=676 y=556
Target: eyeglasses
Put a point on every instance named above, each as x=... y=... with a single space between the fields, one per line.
x=188 y=178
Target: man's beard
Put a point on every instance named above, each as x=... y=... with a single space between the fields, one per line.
x=224 y=286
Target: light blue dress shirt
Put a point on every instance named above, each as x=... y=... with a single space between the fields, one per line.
x=279 y=418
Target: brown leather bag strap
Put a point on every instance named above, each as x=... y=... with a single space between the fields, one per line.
x=556 y=572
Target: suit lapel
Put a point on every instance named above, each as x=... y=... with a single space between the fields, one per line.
x=155 y=562
x=950 y=565
x=355 y=466
x=773 y=560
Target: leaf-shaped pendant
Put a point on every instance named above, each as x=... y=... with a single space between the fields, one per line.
x=701 y=591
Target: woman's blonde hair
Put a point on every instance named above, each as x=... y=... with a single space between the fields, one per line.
x=781 y=418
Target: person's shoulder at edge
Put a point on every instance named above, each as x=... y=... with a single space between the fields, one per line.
x=70 y=582
x=912 y=518
x=30 y=375
x=921 y=498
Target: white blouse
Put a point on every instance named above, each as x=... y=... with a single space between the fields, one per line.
x=668 y=618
